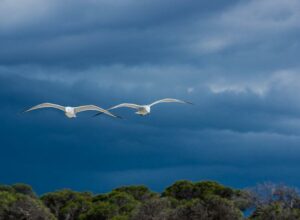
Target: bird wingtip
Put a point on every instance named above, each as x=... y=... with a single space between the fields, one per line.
x=120 y=117
x=191 y=103
x=99 y=113
x=24 y=111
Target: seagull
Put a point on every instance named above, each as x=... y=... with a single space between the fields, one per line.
x=71 y=112
x=143 y=110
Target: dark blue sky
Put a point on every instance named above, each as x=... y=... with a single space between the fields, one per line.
x=238 y=61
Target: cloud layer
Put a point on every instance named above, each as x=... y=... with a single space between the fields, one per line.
x=237 y=61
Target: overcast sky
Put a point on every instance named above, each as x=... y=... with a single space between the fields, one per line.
x=238 y=61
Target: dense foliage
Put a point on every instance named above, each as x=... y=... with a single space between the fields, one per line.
x=184 y=200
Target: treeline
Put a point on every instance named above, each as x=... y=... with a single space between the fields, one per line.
x=184 y=200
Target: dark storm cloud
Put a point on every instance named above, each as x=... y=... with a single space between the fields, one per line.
x=93 y=32
x=204 y=135
x=234 y=35
x=236 y=60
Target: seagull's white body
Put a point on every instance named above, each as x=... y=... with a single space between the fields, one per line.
x=71 y=112
x=145 y=109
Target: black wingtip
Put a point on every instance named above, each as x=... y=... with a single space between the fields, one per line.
x=120 y=117
x=23 y=111
x=191 y=103
x=97 y=114
x=100 y=113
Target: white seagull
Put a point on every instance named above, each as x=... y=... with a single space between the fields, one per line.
x=71 y=112
x=145 y=109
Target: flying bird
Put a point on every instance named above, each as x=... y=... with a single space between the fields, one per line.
x=145 y=109
x=71 y=112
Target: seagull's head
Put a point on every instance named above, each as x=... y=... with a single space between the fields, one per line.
x=70 y=109
x=144 y=110
x=70 y=112
x=147 y=108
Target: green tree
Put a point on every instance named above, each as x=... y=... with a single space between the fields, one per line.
x=188 y=190
x=153 y=209
x=6 y=200
x=124 y=201
x=15 y=206
x=24 y=189
x=140 y=193
x=222 y=209
x=66 y=204
x=190 y=210
x=182 y=189
x=275 y=211
x=208 y=188
x=100 y=211
x=6 y=188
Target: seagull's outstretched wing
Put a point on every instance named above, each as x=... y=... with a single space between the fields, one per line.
x=128 y=105
x=94 y=108
x=47 y=105
x=169 y=100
